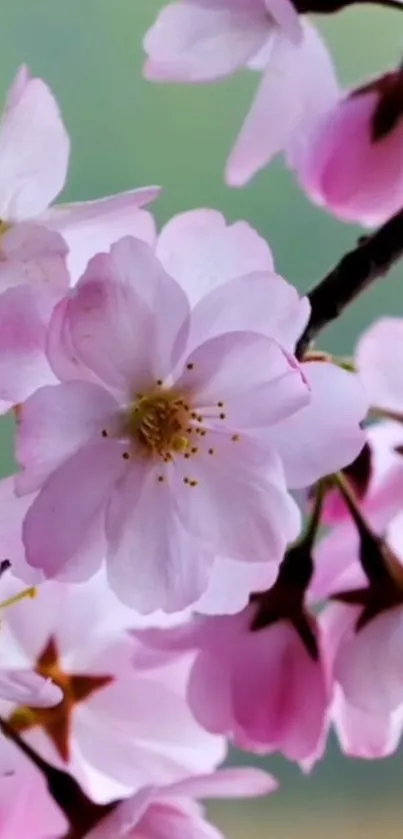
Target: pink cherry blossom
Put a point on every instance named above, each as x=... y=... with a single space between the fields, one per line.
x=108 y=731
x=34 y=156
x=26 y=806
x=194 y=41
x=353 y=162
x=261 y=687
x=367 y=711
x=173 y=811
x=231 y=499
x=214 y=482
x=37 y=242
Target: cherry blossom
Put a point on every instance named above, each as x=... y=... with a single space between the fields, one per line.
x=194 y=41
x=173 y=810
x=34 y=156
x=108 y=730
x=44 y=249
x=258 y=676
x=352 y=165
x=199 y=435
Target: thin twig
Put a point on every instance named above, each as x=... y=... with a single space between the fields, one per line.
x=373 y=257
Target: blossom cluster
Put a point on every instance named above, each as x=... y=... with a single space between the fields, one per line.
x=166 y=588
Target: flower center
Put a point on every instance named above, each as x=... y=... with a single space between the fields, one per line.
x=159 y=423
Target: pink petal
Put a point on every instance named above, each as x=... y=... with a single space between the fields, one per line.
x=63 y=527
x=239 y=506
x=33 y=255
x=90 y=227
x=326 y=435
x=279 y=692
x=100 y=319
x=286 y=18
x=335 y=168
x=245 y=378
x=12 y=513
x=61 y=353
x=231 y=583
x=378 y=356
x=368 y=664
x=24 y=687
x=23 y=362
x=126 y=287
x=364 y=735
x=34 y=151
x=123 y=819
x=176 y=821
x=152 y=561
x=259 y=302
x=202 y=252
x=54 y=424
x=198 y=42
x=227 y=783
x=297 y=87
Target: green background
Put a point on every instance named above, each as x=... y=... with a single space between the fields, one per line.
x=125 y=133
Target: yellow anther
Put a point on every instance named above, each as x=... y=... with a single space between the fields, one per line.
x=180 y=444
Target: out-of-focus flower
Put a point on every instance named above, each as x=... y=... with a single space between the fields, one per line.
x=108 y=730
x=353 y=163
x=193 y=41
x=173 y=811
x=43 y=249
x=259 y=676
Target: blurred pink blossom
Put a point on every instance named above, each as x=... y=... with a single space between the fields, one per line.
x=108 y=730
x=353 y=164
x=196 y=41
x=172 y=812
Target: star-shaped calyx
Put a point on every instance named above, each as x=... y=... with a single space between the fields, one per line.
x=381 y=567
x=285 y=600
x=56 y=721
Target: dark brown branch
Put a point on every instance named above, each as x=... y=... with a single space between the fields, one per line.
x=373 y=257
x=331 y=6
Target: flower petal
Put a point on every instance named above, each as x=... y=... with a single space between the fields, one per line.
x=297 y=87
x=127 y=318
x=54 y=424
x=91 y=227
x=326 y=434
x=195 y=42
x=27 y=688
x=152 y=561
x=239 y=505
x=259 y=302
x=23 y=362
x=34 y=151
x=378 y=355
x=202 y=252
x=368 y=664
x=247 y=782
x=243 y=380
x=63 y=528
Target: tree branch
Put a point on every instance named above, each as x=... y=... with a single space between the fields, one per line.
x=357 y=270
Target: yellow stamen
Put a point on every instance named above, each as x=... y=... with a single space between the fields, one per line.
x=29 y=593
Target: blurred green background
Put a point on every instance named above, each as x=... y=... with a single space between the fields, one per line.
x=125 y=133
